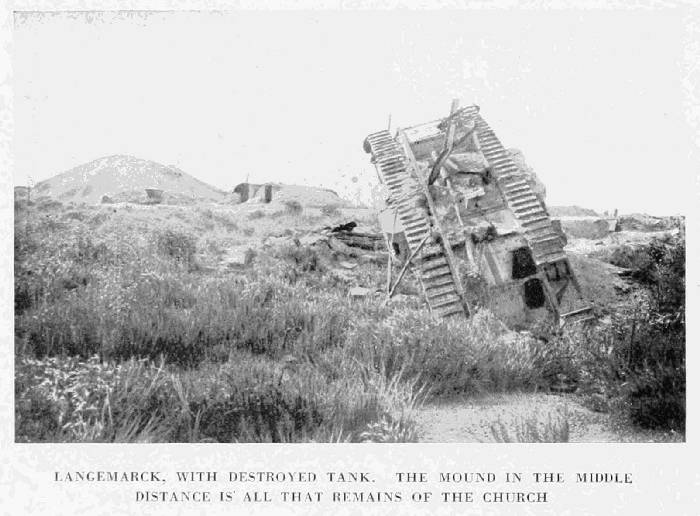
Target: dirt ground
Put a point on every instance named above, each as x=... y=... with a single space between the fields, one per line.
x=470 y=420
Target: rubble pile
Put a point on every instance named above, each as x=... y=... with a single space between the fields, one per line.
x=640 y=222
x=338 y=251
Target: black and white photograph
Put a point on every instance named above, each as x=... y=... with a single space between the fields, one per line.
x=360 y=224
x=225 y=237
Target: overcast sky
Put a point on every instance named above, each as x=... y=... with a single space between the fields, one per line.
x=592 y=98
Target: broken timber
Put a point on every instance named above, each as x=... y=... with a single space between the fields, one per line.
x=406 y=265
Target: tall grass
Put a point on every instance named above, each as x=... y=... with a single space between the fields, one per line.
x=122 y=336
x=250 y=399
x=453 y=356
x=534 y=428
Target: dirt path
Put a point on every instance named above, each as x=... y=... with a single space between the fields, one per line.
x=471 y=420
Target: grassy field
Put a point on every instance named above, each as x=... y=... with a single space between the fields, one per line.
x=131 y=326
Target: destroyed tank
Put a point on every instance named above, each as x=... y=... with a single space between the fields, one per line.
x=464 y=209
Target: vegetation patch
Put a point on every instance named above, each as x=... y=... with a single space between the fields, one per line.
x=123 y=335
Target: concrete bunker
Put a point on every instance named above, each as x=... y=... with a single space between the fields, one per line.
x=154 y=195
x=262 y=193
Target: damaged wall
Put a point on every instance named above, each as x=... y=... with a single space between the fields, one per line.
x=263 y=193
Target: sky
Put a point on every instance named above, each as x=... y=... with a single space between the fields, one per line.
x=593 y=99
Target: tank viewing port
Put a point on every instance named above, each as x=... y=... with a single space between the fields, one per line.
x=523 y=264
x=533 y=293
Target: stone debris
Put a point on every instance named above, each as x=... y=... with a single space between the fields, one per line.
x=277 y=242
x=340 y=247
x=349 y=235
x=373 y=258
x=640 y=222
x=238 y=257
x=402 y=298
x=312 y=239
x=359 y=292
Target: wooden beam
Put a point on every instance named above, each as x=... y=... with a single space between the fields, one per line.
x=390 y=252
x=550 y=295
x=408 y=262
x=493 y=265
x=447 y=148
x=561 y=291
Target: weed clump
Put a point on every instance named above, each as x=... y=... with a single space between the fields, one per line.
x=293 y=207
x=178 y=245
x=533 y=429
x=637 y=361
x=330 y=210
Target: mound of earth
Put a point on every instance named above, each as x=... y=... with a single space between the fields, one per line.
x=310 y=196
x=600 y=281
x=124 y=178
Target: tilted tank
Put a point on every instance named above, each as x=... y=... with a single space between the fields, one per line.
x=464 y=208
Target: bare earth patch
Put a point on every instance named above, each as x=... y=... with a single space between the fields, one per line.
x=470 y=420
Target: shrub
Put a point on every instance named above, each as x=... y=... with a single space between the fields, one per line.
x=228 y=224
x=48 y=204
x=293 y=207
x=330 y=210
x=656 y=393
x=305 y=258
x=178 y=245
x=656 y=396
x=75 y=215
x=49 y=265
x=206 y=213
x=637 y=361
x=98 y=219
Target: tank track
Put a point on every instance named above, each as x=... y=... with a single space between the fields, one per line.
x=408 y=199
x=543 y=241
